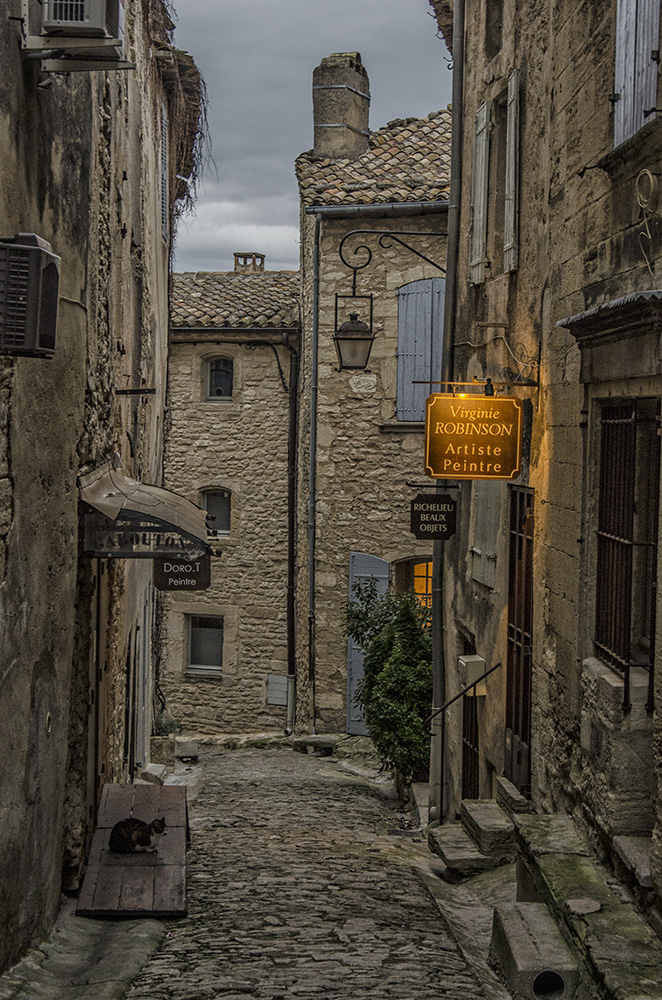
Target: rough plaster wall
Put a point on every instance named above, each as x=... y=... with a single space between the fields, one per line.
x=240 y=446
x=41 y=415
x=362 y=471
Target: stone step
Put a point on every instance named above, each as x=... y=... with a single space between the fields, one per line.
x=556 y=866
x=528 y=951
x=634 y=854
x=510 y=799
x=490 y=828
x=459 y=852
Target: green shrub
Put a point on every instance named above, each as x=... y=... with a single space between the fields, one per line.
x=395 y=692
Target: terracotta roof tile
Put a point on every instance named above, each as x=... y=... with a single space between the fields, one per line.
x=408 y=160
x=234 y=300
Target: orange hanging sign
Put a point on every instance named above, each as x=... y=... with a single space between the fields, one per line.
x=473 y=437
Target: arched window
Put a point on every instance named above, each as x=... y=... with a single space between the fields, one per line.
x=219 y=504
x=219 y=374
x=415 y=576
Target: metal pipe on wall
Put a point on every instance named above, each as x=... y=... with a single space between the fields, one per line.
x=437 y=754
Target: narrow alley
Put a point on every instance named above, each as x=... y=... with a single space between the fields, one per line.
x=296 y=889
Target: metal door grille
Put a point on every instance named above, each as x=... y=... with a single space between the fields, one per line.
x=520 y=628
x=627 y=538
x=470 y=773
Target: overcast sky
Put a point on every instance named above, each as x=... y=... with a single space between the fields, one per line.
x=257 y=61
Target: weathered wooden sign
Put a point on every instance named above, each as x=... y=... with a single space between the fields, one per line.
x=134 y=538
x=433 y=516
x=473 y=437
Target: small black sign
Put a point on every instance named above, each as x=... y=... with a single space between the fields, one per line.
x=182 y=574
x=433 y=516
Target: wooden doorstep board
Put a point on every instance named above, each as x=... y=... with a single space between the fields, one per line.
x=142 y=884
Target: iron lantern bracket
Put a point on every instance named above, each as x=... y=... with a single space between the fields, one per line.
x=386 y=239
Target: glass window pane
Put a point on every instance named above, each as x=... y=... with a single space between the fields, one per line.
x=206 y=646
x=220 y=378
x=218 y=503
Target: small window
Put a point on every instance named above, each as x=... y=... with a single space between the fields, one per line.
x=219 y=379
x=218 y=503
x=415 y=576
x=205 y=644
x=493 y=28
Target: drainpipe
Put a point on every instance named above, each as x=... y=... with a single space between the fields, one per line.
x=291 y=530
x=438 y=750
x=312 y=472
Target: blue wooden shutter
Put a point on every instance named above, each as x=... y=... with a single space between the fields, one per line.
x=511 y=206
x=480 y=170
x=635 y=78
x=420 y=338
x=361 y=567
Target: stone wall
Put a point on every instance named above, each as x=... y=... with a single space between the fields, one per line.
x=81 y=169
x=368 y=464
x=241 y=446
x=583 y=241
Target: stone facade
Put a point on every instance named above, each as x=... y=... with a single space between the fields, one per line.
x=573 y=311
x=82 y=168
x=367 y=460
x=239 y=443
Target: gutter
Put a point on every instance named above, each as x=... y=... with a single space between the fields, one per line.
x=312 y=471
x=389 y=209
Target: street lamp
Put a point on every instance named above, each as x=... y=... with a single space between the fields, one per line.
x=353 y=341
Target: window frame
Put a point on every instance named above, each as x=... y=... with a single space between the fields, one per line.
x=207 y=369
x=204 y=494
x=208 y=669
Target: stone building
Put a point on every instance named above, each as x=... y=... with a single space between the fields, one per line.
x=95 y=132
x=226 y=652
x=360 y=457
x=558 y=295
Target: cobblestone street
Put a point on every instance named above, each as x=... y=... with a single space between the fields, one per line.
x=296 y=888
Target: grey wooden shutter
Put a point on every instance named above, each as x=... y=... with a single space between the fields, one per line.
x=511 y=206
x=420 y=338
x=486 y=527
x=635 y=77
x=362 y=566
x=646 y=68
x=165 y=206
x=479 y=191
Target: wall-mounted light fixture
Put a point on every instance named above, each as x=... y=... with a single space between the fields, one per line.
x=353 y=337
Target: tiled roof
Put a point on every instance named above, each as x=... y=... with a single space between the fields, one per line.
x=235 y=300
x=408 y=160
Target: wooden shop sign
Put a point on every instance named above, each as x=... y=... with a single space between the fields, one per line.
x=182 y=574
x=473 y=437
x=433 y=516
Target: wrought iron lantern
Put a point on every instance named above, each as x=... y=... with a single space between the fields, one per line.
x=353 y=341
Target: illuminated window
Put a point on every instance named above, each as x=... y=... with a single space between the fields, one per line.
x=422 y=582
x=219 y=379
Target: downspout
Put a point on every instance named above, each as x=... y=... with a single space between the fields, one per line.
x=438 y=750
x=312 y=474
x=291 y=529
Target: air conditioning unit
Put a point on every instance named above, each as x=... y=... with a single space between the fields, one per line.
x=29 y=284
x=84 y=18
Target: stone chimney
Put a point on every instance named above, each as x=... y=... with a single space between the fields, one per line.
x=248 y=263
x=341 y=106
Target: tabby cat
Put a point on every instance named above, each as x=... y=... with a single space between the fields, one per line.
x=135 y=835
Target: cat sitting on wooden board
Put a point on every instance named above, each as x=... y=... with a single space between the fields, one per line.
x=131 y=835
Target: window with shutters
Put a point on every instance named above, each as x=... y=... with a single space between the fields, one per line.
x=495 y=185
x=486 y=528
x=420 y=337
x=637 y=62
